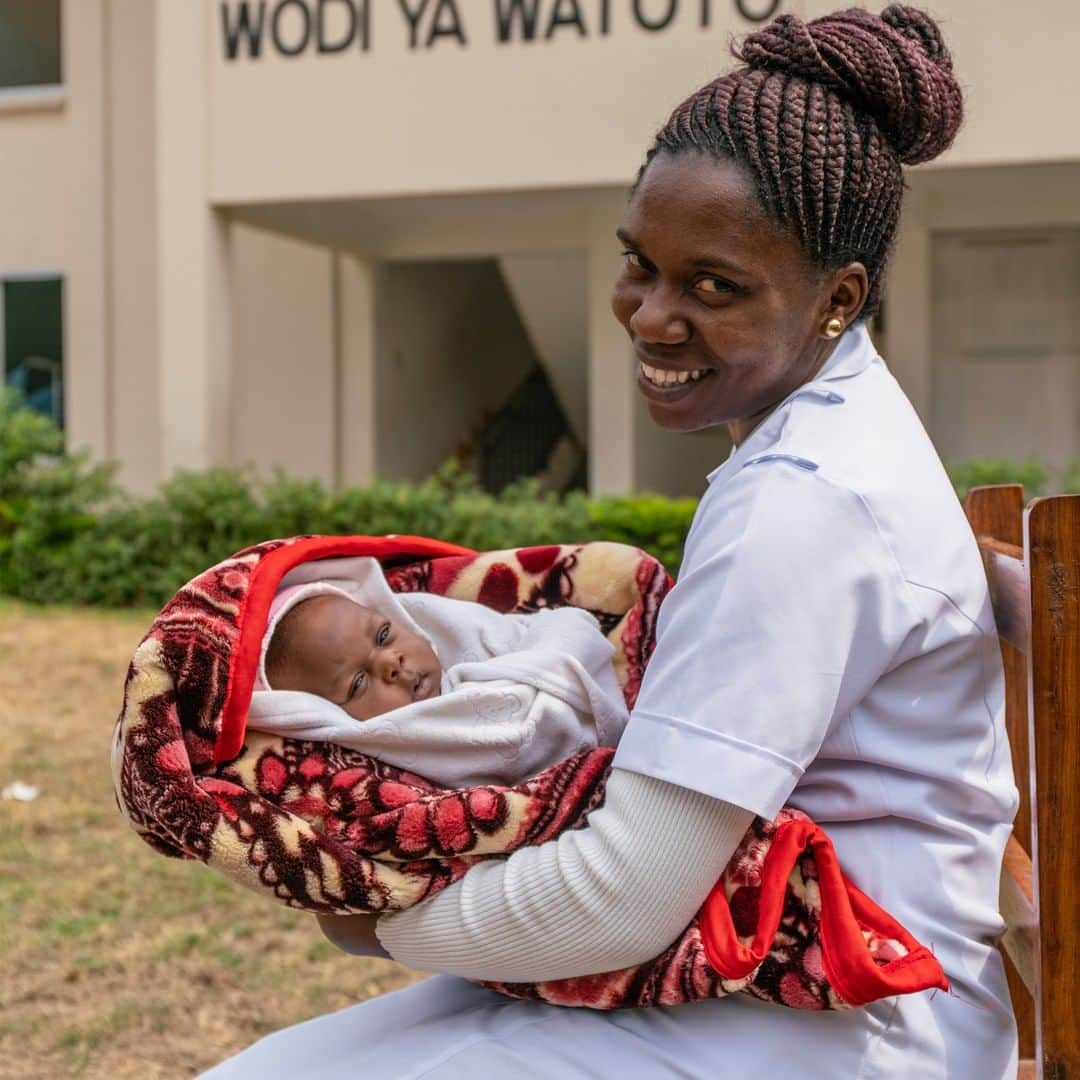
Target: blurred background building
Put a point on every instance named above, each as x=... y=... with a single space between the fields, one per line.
x=355 y=237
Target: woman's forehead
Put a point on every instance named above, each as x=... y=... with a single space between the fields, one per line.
x=699 y=205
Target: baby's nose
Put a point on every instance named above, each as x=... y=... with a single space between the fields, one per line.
x=391 y=664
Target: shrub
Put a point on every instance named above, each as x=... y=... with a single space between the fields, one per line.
x=48 y=499
x=1070 y=483
x=68 y=534
x=968 y=474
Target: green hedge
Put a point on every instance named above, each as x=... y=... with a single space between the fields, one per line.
x=68 y=534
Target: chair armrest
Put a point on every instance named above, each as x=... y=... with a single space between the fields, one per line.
x=1021 y=938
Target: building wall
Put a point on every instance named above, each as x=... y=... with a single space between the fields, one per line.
x=548 y=290
x=126 y=181
x=282 y=408
x=572 y=108
x=1031 y=196
x=450 y=348
x=53 y=211
x=674 y=463
x=133 y=416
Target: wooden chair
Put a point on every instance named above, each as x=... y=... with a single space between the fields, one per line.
x=1032 y=559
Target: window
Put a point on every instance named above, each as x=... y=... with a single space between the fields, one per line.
x=29 y=43
x=32 y=338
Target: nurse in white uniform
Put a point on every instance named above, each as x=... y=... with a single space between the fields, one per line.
x=829 y=644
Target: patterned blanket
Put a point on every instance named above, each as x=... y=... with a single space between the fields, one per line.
x=318 y=827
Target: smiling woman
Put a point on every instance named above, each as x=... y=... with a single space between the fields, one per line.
x=741 y=311
x=829 y=643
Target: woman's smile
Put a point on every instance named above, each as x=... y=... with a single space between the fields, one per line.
x=669 y=384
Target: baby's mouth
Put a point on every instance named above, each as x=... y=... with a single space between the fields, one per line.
x=422 y=687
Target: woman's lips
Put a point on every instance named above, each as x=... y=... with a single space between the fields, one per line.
x=669 y=392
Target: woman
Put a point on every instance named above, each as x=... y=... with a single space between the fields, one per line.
x=829 y=643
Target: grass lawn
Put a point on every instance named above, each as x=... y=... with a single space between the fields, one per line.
x=114 y=961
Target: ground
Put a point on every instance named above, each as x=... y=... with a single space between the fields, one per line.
x=114 y=961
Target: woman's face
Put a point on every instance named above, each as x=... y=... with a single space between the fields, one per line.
x=725 y=312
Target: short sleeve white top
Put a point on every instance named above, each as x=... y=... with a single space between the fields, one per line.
x=830 y=644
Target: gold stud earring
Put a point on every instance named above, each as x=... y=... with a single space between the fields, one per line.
x=834 y=327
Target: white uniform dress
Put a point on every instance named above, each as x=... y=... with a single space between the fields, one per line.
x=830 y=645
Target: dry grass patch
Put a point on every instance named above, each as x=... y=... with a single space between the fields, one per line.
x=116 y=962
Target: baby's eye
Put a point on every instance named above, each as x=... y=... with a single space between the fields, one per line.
x=358 y=684
x=383 y=636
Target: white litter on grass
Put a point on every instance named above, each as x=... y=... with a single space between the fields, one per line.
x=20 y=792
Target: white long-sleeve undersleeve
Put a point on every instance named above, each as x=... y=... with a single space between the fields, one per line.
x=613 y=894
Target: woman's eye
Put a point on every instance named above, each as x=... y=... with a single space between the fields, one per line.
x=383 y=636
x=635 y=262
x=714 y=285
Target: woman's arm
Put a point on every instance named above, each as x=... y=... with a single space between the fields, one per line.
x=353 y=934
x=785 y=573
x=597 y=899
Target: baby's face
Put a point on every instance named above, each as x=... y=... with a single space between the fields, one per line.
x=361 y=660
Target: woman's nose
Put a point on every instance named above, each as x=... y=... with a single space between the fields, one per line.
x=657 y=320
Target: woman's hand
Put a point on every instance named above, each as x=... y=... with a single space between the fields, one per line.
x=353 y=934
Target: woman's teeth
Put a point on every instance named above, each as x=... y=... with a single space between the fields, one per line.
x=663 y=377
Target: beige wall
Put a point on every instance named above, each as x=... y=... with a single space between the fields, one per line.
x=131 y=272
x=282 y=410
x=566 y=111
x=450 y=348
x=548 y=290
x=53 y=212
x=938 y=200
x=671 y=463
x=127 y=182
x=571 y=110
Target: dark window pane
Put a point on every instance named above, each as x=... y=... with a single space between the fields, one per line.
x=33 y=332
x=30 y=43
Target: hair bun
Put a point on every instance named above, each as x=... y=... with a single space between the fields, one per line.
x=893 y=66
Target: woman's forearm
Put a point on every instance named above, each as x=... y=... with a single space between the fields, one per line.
x=597 y=899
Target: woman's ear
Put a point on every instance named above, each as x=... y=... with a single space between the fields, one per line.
x=848 y=288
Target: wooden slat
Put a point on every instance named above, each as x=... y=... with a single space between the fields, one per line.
x=997 y=511
x=1021 y=940
x=1052 y=546
x=997 y=514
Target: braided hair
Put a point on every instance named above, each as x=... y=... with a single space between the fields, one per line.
x=822 y=116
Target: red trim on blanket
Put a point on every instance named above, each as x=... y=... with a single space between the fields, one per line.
x=845 y=913
x=255 y=610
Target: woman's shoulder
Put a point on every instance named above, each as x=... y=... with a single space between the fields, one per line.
x=861 y=472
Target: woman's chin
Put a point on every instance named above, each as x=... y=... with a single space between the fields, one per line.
x=679 y=420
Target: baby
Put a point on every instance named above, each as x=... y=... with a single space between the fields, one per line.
x=351 y=655
x=449 y=689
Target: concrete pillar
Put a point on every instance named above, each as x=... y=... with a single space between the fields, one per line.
x=284 y=400
x=133 y=248
x=87 y=331
x=194 y=346
x=354 y=283
x=611 y=389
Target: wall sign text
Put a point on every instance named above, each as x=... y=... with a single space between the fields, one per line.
x=290 y=28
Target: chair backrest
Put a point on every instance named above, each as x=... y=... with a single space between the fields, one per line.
x=1032 y=559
